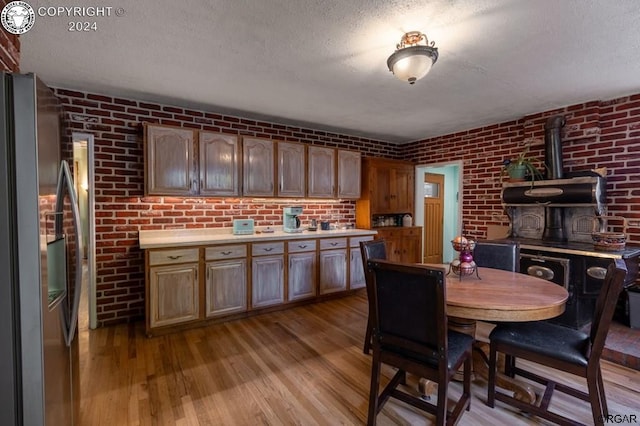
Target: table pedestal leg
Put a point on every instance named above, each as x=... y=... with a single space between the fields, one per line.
x=521 y=390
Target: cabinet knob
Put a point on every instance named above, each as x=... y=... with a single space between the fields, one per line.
x=302 y=246
x=174 y=257
x=268 y=249
x=226 y=253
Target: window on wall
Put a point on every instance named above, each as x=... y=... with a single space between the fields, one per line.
x=431 y=190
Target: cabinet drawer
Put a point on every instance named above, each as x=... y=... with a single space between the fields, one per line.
x=225 y=252
x=332 y=243
x=390 y=233
x=262 y=249
x=355 y=241
x=410 y=232
x=168 y=257
x=300 y=246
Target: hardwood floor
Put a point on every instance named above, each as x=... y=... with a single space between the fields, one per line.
x=302 y=366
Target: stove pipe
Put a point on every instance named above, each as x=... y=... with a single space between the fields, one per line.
x=553 y=147
x=554 y=216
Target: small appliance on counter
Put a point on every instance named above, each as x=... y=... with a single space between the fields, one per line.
x=291 y=219
x=314 y=225
x=242 y=226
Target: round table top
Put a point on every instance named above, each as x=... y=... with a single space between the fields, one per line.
x=503 y=296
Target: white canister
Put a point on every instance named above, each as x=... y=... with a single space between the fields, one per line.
x=407 y=220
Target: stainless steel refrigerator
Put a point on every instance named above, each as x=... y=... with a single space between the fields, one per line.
x=40 y=260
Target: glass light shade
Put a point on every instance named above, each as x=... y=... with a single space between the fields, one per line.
x=412 y=63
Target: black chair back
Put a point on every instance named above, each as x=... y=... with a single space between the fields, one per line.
x=373 y=249
x=605 y=308
x=497 y=255
x=409 y=308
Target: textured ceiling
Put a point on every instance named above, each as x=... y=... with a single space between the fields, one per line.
x=322 y=63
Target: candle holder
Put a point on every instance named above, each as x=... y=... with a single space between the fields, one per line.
x=464 y=265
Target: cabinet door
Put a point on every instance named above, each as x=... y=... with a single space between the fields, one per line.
x=380 y=189
x=411 y=249
x=219 y=164
x=267 y=280
x=321 y=172
x=302 y=275
x=258 y=163
x=333 y=271
x=173 y=292
x=356 y=269
x=291 y=170
x=348 y=174
x=403 y=192
x=226 y=287
x=169 y=161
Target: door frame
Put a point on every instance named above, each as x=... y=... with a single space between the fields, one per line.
x=450 y=189
x=91 y=252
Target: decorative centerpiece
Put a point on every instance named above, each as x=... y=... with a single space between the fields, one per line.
x=464 y=264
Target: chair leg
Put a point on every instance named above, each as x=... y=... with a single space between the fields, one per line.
x=491 y=386
x=603 y=397
x=441 y=408
x=596 y=395
x=468 y=363
x=373 y=390
x=367 y=338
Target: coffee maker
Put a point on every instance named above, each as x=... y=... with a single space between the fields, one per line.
x=290 y=219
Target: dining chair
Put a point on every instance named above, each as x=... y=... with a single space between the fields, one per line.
x=497 y=255
x=565 y=349
x=407 y=307
x=373 y=249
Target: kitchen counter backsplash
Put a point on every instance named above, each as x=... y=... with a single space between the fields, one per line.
x=190 y=237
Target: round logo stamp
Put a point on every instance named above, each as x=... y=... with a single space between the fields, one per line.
x=17 y=17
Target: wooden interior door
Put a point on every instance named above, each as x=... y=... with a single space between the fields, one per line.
x=433 y=217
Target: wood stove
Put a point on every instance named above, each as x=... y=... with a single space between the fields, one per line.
x=553 y=221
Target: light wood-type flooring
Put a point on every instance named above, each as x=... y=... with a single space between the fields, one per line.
x=301 y=366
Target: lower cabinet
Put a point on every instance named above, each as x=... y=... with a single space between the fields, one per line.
x=301 y=274
x=267 y=274
x=333 y=265
x=173 y=287
x=356 y=268
x=239 y=277
x=226 y=280
x=403 y=244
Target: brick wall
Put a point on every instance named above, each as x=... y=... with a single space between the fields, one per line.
x=9 y=48
x=597 y=134
x=122 y=209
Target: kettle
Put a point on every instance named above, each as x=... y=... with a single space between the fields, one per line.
x=407 y=220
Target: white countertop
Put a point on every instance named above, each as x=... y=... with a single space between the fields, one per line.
x=194 y=237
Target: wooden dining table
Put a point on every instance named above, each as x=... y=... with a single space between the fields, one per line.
x=497 y=295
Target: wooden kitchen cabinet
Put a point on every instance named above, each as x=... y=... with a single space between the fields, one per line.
x=267 y=274
x=303 y=261
x=333 y=265
x=226 y=280
x=258 y=167
x=219 y=156
x=349 y=165
x=356 y=268
x=403 y=244
x=292 y=178
x=321 y=172
x=388 y=187
x=170 y=165
x=173 y=287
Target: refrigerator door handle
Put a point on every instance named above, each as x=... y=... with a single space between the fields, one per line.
x=66 y=179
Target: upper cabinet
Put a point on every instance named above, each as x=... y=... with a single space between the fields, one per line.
x=292 y=177
x=169 y=161
x=179 y=162
x=219 y=164
x=388 y=188
x=258 y=169
x=348 y=174
x=321 y=172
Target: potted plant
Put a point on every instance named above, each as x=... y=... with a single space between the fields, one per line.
x=521 y=167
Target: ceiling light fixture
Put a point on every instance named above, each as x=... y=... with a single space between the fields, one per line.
x=412 y=61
